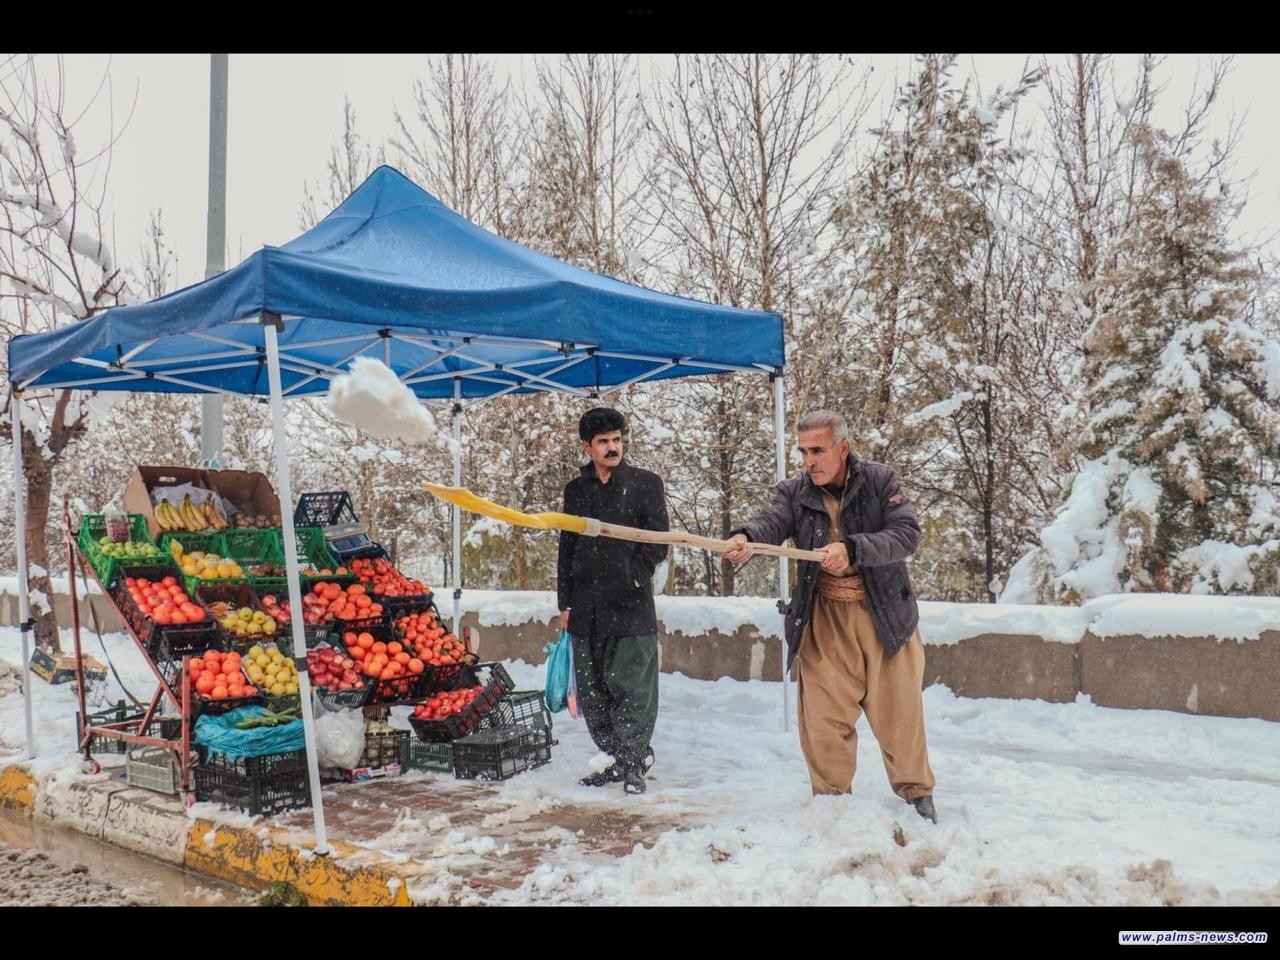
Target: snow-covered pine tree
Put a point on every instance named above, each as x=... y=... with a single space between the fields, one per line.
x=1178 y=491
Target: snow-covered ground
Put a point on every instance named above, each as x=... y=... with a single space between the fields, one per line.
x=1038 y=803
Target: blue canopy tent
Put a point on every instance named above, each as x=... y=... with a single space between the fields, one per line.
x=461 y=315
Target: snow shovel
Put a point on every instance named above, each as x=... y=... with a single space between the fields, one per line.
x=466 y=500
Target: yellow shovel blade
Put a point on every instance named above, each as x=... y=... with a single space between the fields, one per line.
x=466 y=500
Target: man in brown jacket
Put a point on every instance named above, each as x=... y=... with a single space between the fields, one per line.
x=852 y=622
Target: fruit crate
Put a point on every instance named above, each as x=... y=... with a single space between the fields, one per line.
x=422 y=755
x=383 y=749
x=341 y=699
x=148 y=631
x=395 y=606
x=497 y=685
x=313 y=550
x=152 y=768
x=240 y=595
x=93 y=527
x=408 y=686
x=520 y=708
x=449 y=676
x=190 y=542
x=257 y=785
x=501 y=753
x=324 y=509
x=251 y=547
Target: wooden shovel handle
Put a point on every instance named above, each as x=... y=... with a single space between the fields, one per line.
x=681 y=538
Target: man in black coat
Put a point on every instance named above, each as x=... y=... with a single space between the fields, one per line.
x=605 y=592
x=852 y=623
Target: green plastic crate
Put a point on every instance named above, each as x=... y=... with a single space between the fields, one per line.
x=93 y=526
x=190 y=542
x=313 y=549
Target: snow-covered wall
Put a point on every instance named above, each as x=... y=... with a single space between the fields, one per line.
x=941 y=624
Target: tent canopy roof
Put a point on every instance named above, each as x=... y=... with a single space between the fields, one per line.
x=394 y=274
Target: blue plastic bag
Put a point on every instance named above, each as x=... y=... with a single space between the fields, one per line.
x=220 y=734
x=559 y=672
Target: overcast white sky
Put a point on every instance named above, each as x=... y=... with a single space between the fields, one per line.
x=285 y=111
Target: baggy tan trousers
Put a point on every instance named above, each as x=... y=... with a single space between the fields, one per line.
x=842 y=674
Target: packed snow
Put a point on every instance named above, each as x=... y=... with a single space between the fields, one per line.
x=373 y=398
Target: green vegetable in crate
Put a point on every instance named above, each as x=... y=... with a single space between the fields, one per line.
x=268 y=718
x=131 y=549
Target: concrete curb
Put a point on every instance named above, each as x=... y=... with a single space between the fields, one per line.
x=255 y=857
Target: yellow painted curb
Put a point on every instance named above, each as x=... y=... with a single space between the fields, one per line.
x=17 y=788
x=239 y=855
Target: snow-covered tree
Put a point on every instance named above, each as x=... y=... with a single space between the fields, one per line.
x=55 y=267
x=1181 y=437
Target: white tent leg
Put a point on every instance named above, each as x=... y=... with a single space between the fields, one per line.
x=784 y=579
x=291 y=568
x=457 y=512
x=24 y=589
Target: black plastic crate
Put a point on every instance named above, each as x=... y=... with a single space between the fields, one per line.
x=497 y=685
x=324 y=509
x=144 y=627
x=501 y=753
x=520 y=708
x=420 y=755
x=257 y=785
x=408 y=686
x=171 y=648
x=346 y=699
x=117 y=714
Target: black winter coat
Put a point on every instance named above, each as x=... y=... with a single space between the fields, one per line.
x=607 y=584
x=881 y=532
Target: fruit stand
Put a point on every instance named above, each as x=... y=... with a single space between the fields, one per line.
x=205 y=605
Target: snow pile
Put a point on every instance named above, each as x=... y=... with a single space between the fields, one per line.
x=374 y=399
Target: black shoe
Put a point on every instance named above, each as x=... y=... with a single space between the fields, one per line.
x=610 y=774
x=924 y=807
x=633 y=780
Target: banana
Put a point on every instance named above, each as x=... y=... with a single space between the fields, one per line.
x=220 y=519
x=164 y=517
x=193 y=520
x=210 y=514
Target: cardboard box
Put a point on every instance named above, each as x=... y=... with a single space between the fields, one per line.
x=137 y=495
x=362 y=773
x=62 y=669
x=247 y=491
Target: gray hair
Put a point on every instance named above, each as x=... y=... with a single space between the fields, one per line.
x=824 y=420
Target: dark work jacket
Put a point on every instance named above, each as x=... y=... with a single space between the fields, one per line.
x=881 y=532
x=607 y=584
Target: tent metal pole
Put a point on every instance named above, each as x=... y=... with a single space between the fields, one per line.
x=269 y=329
x=25 y=623
x=457 y=512
x=784 y=579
